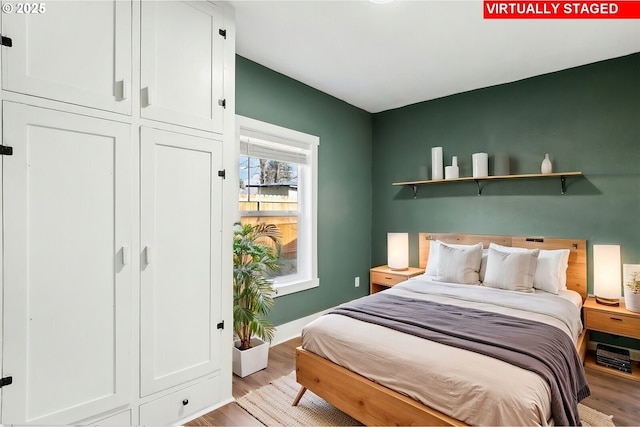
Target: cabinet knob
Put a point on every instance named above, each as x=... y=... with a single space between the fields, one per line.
x=185 y=402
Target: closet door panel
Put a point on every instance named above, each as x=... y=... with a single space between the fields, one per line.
x=181 y=238
x=74 y=51
x=182 y=65
x=67 y=278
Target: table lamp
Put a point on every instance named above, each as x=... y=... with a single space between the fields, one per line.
x=606 y=274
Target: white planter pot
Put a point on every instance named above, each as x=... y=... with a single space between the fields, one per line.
x=246 y=362
x=631 y=300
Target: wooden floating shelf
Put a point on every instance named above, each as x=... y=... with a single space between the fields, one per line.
x=561 y=175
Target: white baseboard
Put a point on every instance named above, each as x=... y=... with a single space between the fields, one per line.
x=634 y=354
x=293 y=329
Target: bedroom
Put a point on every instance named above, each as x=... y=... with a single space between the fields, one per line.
x=409 y=122
x=526 y=118
x=360 y=156
x=394 y=209
x=546 y=112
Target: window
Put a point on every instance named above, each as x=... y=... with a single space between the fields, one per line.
x=278 y=185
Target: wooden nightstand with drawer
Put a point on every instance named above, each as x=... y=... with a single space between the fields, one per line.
x=615 y=320
x=383 y=277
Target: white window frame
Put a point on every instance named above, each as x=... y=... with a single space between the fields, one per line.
x=307 y=268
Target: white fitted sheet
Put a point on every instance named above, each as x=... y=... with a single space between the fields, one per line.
x=471 y=387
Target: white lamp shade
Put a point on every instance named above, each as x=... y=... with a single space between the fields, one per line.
x=607 y=278
x=398 y=251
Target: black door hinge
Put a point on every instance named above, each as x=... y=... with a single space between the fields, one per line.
x=222 y=103
x=223 y=33
x=222 y=174
x=6 y=41
x=221 y=325
x=6 y=381
x=5 y=150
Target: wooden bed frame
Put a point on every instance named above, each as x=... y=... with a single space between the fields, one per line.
x=373 y=404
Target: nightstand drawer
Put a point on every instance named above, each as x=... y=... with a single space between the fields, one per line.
x=614 y=323
x=388 y=279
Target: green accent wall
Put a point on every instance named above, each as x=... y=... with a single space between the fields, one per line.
x=587 y=119
x=344 y=180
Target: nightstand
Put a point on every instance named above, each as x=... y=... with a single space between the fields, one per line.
x=383 y=277
x=615 y=320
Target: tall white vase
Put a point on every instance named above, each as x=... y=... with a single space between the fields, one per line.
x=436 y=163
x=546 y=166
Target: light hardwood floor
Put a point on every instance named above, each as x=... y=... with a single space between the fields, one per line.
x=609 y=394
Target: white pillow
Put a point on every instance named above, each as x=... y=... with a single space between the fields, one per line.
x=551 y=268
x=431 y=270
x=551 y=272
x=459 y=264
x=512 y=270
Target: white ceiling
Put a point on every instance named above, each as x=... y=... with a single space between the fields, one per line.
x=383 y=56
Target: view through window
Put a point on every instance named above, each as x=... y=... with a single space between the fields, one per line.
x=269 y=193
x=278 y=185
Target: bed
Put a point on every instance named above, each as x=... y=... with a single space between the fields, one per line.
x=343 y=359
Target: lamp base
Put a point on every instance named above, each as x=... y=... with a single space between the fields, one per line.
x=398 y=269
x=607 y=301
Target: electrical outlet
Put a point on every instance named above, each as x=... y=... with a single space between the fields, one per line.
x=357 y=282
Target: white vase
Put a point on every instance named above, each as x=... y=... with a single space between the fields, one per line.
x=246 y=362
x=452 y=172
x=631 y=300
x=436 y=163
x=480 y=165
x=546 y=166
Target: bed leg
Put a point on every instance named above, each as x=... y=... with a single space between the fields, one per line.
x=299 y=396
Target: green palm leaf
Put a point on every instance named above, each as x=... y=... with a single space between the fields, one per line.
x=252 y=292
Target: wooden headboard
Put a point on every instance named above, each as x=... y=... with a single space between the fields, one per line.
x=576 y=271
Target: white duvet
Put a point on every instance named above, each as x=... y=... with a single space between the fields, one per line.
x=470 y=387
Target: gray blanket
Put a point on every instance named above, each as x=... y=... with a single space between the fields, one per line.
x=534 y=346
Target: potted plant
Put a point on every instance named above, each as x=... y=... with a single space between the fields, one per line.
x=254 y=254
x=632 y=291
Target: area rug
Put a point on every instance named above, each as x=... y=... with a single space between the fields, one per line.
x=271 y=405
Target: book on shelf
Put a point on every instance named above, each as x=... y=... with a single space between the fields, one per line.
x=613 y=357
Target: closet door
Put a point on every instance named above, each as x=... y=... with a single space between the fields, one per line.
x=67 y=333
x=72 y=51
x=182 y=63
x=181 y=209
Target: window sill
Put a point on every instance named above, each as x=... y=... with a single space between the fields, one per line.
x=287 y=288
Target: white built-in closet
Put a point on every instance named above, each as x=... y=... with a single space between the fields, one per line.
x=116 y=215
